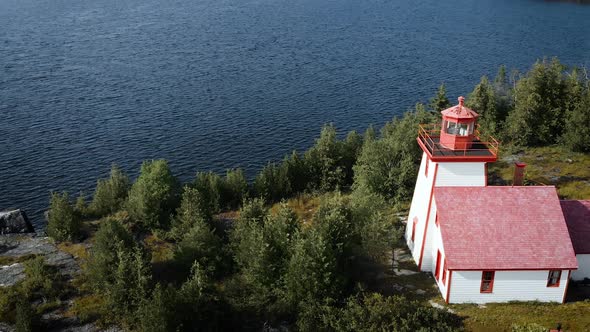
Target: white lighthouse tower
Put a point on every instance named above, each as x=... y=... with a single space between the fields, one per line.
x=453 y=155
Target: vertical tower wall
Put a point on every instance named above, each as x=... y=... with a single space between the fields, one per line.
x=438 y=174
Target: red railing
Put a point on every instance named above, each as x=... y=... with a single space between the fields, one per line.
x=430 y=136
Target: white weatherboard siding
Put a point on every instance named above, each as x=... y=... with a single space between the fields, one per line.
x=508 y=286
x=438 y=245
x=419 y=206
x=430 y=247
x=583 y=270
x=454 y=174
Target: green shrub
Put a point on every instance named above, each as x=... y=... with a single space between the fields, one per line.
x=193 y=209
x=532 y=327
x=272 y=183
x=110 y=194
x=153 y=196
x=235 y=188
x=26 y=319
x=375 y=312
x=110 y=237
x=63 y=222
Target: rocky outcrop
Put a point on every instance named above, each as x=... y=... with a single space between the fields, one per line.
x=15 y=221
x=14 y=247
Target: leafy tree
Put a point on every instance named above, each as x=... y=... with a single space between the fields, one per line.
x=351 y=148
x=374 y=312
x=210 y=185
x=483 y=101
x=440 y=101
x=26 y=319
x=199 y=307
x=325 y=160
x=374 y=223
x=253 y=210
x=130 y=288
x=235 y=188
x=200 y=244
x=272 y=183
x=192 y=210
x=540 y=105
x=503 y=94
x=388 y=166
x=63 y=222
x=41 y=279
x=110 y=238
x=333 y=221
x=110 y=194
x=80 y=207
x=577 y=127
x=297 y=173
x=262 y=250
x=312 y=274
x=153 y=196
x=158 y=313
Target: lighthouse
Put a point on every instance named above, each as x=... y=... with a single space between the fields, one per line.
x=488 y=243
x=453 y=156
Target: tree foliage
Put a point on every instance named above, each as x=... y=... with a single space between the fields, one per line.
x=375 y=312
x=387 y=166
x=541 y=104
x=153 y=196
x=110 y=238
x=440 y=101
x=110 y=194
x=63 y=222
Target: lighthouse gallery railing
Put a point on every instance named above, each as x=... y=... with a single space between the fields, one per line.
x=430 y=136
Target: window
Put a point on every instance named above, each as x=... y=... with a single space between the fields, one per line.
x=553 y=279
x=436 y=220
x=451 y=127
x=437 y=269
x=487 y=281
x=426 y=167
x=462 y=129
x=414 y=223
x=444 y=272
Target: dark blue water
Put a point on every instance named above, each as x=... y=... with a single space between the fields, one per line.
x=215 y=84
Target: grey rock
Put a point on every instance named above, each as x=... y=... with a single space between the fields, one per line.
x=440 y=306
x=12 y=246
x=403 y=272
x=6 y=328
x=15 y=221
x=11 y=274
x=420 y=291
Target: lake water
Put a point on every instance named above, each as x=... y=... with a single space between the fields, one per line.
x=216 y=84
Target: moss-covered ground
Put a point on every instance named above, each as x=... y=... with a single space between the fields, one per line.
x=551 y=165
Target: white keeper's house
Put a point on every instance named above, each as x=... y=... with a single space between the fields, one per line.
x=490 y=243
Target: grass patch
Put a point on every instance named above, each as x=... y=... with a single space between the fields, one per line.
x=78 y=250
x=160 y=249
x=9 y=260
x=500 y=316
x=304 y=206
x=86 y=308
x=550 y=165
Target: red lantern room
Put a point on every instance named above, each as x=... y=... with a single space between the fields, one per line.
x=458 y=127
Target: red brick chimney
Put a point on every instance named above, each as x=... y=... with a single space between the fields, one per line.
x=518 y=174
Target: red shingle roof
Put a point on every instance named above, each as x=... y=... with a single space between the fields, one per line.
x=503 y=228
x=577 y=217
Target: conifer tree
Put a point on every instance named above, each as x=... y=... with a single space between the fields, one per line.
x=153 y=196
x=440 y=101
x=63 y=222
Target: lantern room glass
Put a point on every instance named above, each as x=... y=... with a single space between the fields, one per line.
x=459 y=129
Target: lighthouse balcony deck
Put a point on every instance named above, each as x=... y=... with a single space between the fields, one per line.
x=429 y=141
